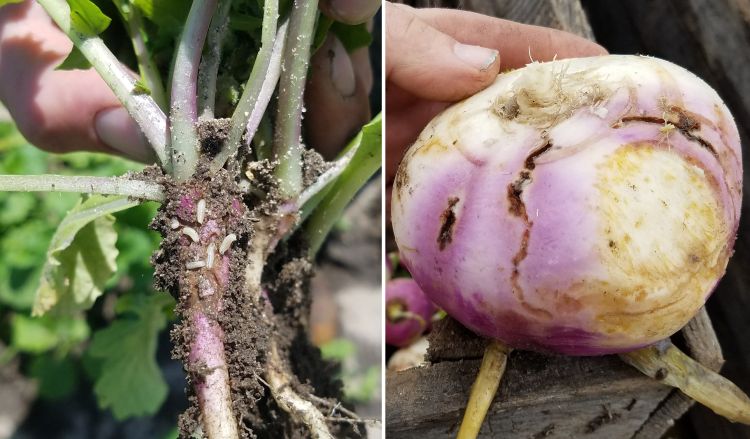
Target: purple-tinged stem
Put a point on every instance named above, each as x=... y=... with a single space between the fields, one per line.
x=260 y=85
x=287 y=138
x=207 y=360
x=209 y=67
x=184 y=110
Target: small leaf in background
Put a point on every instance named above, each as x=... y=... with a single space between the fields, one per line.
x=352 y=36
x=23 y=245
x=7 y=2
x=42 y=334
x=56 y=377
x=168 y=15
x=338 y=349
x=322 y=26
x=87 y=18
x=140 y=87
x=129 y=380
x=245 y=23
x=15 y=207
x=74 y=61
x=81 y=256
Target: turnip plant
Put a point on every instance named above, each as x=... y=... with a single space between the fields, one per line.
x=583 y=207
x=244 y=205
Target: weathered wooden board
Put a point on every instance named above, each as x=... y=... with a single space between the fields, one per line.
x=540 y=395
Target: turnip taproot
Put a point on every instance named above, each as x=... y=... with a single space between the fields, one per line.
x=583 y=206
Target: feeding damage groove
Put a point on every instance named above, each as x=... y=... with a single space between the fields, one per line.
x=518 y=208
x=685 y=124
x=447 y=222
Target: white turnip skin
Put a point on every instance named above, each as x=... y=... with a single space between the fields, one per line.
x=583 y=206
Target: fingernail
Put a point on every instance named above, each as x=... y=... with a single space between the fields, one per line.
x=342 y=71
x=117 y=129
x=480 y=58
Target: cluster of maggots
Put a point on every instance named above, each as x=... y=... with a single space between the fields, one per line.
x=193 y=235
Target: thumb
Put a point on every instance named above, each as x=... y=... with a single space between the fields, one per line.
x=430 y=64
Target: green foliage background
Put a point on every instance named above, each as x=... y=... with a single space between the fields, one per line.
x=61 y=350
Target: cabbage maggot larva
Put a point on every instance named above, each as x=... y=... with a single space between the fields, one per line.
x=227 y=242
x=200 y=211
x=210 y=255
x=193 y=265
x=189 y=231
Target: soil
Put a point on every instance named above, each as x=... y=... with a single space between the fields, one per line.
x=248 y=324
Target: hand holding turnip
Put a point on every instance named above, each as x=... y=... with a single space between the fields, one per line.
x=583 y=206
x=438 y=56
x=39 y=97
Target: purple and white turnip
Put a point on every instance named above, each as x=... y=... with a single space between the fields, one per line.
x=582 y=206
x=408 y=312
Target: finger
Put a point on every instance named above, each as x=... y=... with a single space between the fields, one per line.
x=517 y=42
x=431 y=64
x=350 y=11
x=336 y=96
x=57 y=110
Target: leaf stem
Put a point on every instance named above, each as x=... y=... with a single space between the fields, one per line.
x=146 y=65
x=666 y=363
x=325 y=206
x=142 y=107
x=484 y=389
x=209 y=66
x=260 y=86
x=183 y=107
x=139 y=189
x=287 y=138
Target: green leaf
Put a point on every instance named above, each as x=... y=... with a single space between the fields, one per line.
x=74 y=61
x=129 y=380
x=327 y=206
x=168 y=15
x=8 y=2
x=81 y=256
x=322 y=27
x=16 y=207
x=140 y=87
x=352 y=36
x=245 y=23
x=87 y=18
x=338 y=349
x=56 y=377
x=41 y=334
x=32 y=335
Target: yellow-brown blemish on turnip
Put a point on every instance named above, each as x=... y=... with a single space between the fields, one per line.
x=653 y=282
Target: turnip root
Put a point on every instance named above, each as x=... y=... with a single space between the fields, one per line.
x=408 y=312
x=582 y=206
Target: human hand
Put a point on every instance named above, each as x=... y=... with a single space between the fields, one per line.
x=62 y=111
x=339 y=84
x=59 y=110
x=438 y=56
